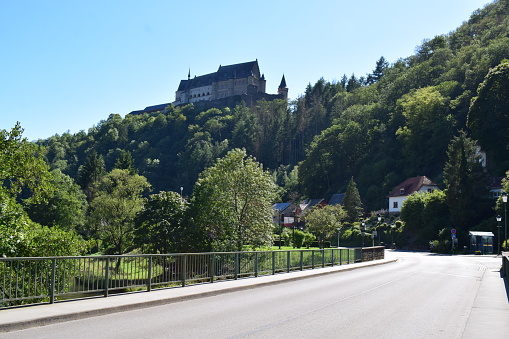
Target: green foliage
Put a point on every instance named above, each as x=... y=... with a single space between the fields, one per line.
x=64 y=208
x=160 y=227
x=423 y=214
x=466 y=183
x=352 y=202
x=22 y=165
x=232 y=203
x=125 y=161
x=324 y=221
x=118 y=200
x=488 y=117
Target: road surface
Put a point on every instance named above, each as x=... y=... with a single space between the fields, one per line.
x=421 y=295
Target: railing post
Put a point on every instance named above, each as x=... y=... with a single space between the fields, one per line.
x=107 y=277
x=332 y=256
x=256 y=265
x=149 y=278
x=288 y=260
x=301 y=260
x=312 y=260
x=212 y=267
x=340 y=257
x=237 y=268
x=52 y=281
x=273 y=262
x=323 y=258
x=183 y=269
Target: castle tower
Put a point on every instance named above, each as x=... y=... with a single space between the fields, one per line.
x=282 y=89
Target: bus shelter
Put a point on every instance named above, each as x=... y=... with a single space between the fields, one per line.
x=481 y=242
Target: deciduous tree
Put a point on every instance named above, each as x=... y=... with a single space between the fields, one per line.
x=324 y=221
x=232 y=203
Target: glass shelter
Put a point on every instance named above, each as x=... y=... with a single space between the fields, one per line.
x=481 y=242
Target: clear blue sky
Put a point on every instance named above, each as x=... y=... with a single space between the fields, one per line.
x=66 y=65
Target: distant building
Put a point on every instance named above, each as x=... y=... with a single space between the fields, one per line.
x=228 y=87
x=238 y=80
x=408 y=187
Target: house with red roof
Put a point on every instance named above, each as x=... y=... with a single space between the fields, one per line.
x=407 y=188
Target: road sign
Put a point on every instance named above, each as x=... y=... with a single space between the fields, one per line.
x=453 y=231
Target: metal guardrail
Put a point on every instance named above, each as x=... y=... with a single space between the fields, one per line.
x=46 y=279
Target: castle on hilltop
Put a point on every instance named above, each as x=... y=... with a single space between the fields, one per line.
x=227 y=87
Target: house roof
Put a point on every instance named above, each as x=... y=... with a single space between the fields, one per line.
x=281 y=206
x=482 y=234
x=236 y=71
x=337 y=199
x=411 y=185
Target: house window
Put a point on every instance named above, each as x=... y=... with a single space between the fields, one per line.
x=395 y=204
x=401 y=191
x=430 y=190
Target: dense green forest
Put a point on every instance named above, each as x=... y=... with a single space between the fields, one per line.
x=402 y=120
x=380 y=128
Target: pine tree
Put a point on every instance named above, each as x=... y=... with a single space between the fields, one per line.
x=90 y=173
x=352 y=202
x=125 y=161
x=465 y=181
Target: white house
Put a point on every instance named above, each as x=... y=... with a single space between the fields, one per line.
x=407 y=188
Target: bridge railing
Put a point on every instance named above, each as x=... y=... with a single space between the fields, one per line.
x=47 y=279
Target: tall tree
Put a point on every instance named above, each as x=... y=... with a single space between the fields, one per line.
x=90 y=174
x=352 y=202
x=160 y=226
x=324 y=221
x=125 y=161
x=466 y=182
x=232 y=203
x=119 y=199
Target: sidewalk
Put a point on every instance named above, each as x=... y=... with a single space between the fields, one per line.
x=489 y=317
x=13 y=319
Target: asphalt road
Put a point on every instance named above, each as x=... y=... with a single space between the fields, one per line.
x=420 y=296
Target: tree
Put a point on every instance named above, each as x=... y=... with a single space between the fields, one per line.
x=466 y=182
x=424 y=214
x=488 y=117
x=90 y=173
x=161 y=225
x=65 y=207
x=125 y=161
x=352 y=202
x=232 y=203
x=119 y=199
x=22 y=166
x=378 y=72
x=324 y=221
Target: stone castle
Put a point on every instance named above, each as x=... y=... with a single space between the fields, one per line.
x=227 y=87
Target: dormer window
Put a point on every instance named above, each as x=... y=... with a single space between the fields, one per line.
x=401 y=191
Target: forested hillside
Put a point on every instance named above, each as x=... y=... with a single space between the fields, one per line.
x=380 y=128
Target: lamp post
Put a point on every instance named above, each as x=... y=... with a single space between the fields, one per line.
x=181 y=190
x=504 y=199
x=338 y=229
x=499 y=219
x=362 y=232
x=379 y=220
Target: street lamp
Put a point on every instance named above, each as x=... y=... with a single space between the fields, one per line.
x=499 y=219
x=181 y=190
x=338 y=229
x=379 y=220
x=504 y=199
x=362 y=232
